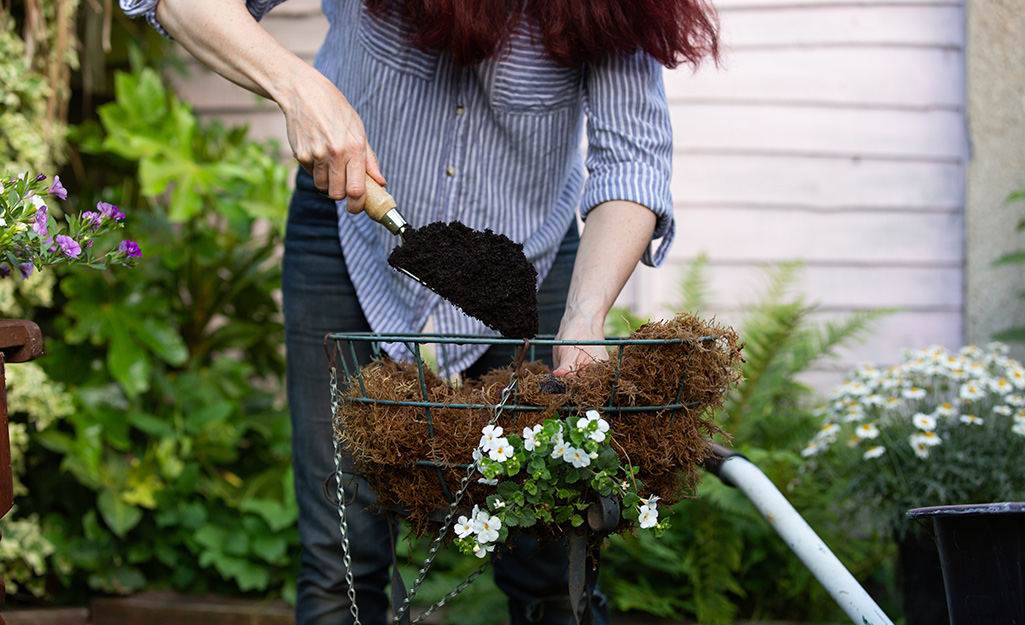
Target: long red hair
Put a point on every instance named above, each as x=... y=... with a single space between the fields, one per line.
x=572 y=32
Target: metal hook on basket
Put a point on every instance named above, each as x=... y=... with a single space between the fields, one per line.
x=352 y=484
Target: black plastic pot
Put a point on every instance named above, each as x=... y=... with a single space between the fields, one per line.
x=982 y=554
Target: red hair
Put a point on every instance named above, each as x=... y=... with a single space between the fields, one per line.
x=573 y=32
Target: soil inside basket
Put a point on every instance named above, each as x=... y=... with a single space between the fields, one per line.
x=484 y=273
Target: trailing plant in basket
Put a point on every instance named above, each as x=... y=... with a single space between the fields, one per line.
x=553 y=463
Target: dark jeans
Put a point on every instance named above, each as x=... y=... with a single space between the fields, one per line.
x=318 y=299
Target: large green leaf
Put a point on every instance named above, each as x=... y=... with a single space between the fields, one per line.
x=119 y=516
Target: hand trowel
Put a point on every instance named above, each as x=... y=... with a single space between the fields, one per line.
x=484 y=273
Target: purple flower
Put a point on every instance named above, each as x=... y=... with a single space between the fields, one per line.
x=129 y=248
x=69 y=246
x=58 y=189
x=40 y=177
x=26 y=270
x=4 y=271
x=109 y=211
x=39 y=227
x=92 y=219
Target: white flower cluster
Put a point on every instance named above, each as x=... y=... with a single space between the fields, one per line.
x=929 y=389
x=483 y=527
x=497 y=447
x=649 y=513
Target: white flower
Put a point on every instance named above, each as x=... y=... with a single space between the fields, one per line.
x=1019 y=428
x=1002 y=385
x=1002 y=410
x=577 y=457
x=530 y=437
x=926 y=439
x=913 y=393
x=827 y=433
x=489 y=526
x=651 y=500
x=867 y=430
x=560 y=448
x=583 y=423
x=500 y=450
x=487 y=482
x=873 y=452
x=811 y=449
x=648 y=517
x=970 y=391
x=464 y=527
x=593 y=414
x=945 y=410
x=478 y=455
x=1015 y=400
x=489 y=434
x=924 y=422
x=970 y=419
x=921 y=449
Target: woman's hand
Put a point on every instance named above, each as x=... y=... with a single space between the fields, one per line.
x=324 y=131
x=615 y=236
x=328 y=139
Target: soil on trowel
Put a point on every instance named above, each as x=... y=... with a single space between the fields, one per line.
x=484 y=273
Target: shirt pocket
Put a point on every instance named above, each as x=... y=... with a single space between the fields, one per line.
x=526 y=80
x=385 y=41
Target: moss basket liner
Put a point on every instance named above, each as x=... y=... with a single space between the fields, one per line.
x=412 y=433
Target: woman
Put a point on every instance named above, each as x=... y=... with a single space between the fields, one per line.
x=475 y=110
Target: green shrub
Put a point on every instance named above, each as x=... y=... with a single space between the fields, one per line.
x=172 y=470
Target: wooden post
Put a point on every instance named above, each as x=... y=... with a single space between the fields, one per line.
x=20 y=341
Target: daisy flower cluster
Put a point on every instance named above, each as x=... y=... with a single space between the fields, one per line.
x=546 y=474
x=939 y=428
x=31 y=238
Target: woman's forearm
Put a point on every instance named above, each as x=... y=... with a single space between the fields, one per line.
x=325 y=133
x=614 y=239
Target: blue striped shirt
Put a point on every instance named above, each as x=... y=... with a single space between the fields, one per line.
x=497 y=145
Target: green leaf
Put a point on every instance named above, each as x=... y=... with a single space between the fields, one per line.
x=1009 y=259
x=128 y=364
x=1014 y=335
x=119 y=516
x=197 y=419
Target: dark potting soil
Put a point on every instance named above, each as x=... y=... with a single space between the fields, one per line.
x=483 y=273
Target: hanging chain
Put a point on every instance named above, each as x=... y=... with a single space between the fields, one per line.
x=343 y=524
x=507 y=393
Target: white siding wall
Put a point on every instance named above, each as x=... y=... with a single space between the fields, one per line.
x=833 y=134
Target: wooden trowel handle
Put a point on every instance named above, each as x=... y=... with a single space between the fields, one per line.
x=382 y=208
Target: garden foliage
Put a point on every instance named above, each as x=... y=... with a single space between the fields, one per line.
x=171 y=469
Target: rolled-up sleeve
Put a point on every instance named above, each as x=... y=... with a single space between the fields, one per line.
x=148 y=9
x=630 y=142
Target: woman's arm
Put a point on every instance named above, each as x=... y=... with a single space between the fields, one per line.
x=326 y=135
x=615 y=237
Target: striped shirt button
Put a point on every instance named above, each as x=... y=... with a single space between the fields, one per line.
x=450 y=171
x=460 y=109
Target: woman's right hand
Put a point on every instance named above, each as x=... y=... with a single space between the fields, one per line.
x=326 y=134
x=328 y=139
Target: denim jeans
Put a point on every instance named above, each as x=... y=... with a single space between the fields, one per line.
x=319 y=299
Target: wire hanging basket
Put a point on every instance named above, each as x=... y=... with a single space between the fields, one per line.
x=412 y=431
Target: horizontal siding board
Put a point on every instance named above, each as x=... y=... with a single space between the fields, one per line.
x=843 y=287
x=821 y=183
x=845 y=76
x=863 y=238
x=824 y=25
x=778 y=129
